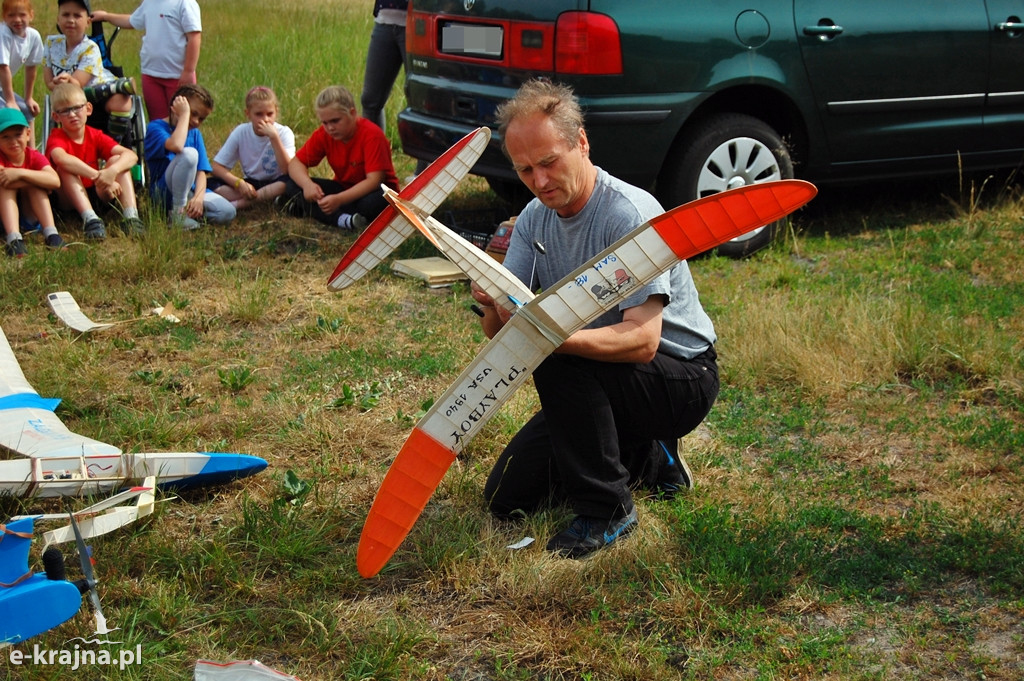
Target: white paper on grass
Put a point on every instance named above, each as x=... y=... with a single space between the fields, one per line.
x=521 y=544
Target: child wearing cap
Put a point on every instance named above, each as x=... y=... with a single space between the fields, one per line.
x=20 y=45
x=170 y=47
x=73 y=56
x=25 y=177
x=91 y=164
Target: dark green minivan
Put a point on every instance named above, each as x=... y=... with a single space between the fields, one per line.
x=690 y=98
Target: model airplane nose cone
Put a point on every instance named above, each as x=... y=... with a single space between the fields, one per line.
x=220 y=468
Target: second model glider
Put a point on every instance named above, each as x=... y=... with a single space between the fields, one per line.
x=540 y=326
x=54 y=461
x=425 y=193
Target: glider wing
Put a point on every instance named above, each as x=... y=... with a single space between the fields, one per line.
x=66 y=308
x=425 y=193
x=541 y=326
x=28 y=425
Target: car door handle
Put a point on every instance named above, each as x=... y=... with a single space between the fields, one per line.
x=825 y=30
x=1010 y=26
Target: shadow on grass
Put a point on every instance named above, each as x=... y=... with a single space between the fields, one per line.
x=757 y=561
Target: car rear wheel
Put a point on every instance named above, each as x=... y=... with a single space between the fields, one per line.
x=725 y=152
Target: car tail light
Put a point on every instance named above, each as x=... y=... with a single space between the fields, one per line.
x=587 y=43
x=579 y=43
x=419 y=27
x=531 y=46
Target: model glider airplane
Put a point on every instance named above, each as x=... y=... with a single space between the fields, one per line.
x=541 y=325
x=66 y=309
x=54 y=461
x=430 y=188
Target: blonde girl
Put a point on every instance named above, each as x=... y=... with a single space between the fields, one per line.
x=262 y=148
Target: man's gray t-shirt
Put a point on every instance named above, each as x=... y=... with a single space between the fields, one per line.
x=614 y=210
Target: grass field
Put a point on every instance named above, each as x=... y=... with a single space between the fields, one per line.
x=858 y=511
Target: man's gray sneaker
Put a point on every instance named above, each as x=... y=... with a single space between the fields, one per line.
x=587 y=534
x=673 y=473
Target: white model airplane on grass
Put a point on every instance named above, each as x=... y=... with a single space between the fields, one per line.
x=50 y=460
x=66 y=309
x=540 y=324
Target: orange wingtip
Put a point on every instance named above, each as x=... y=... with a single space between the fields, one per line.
x=699 y=226
x=410 y=482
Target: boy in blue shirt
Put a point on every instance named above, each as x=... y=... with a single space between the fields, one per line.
x=179 y=164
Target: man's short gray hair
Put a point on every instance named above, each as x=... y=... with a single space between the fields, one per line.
x=554 y=100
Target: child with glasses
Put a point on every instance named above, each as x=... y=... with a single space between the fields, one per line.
x=92 y=166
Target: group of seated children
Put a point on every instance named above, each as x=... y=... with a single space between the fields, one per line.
x=84 y=165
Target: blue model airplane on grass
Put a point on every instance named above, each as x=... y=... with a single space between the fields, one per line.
x=31 y=603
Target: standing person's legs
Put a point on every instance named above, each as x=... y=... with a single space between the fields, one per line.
x=157 y=93
x=384 y=59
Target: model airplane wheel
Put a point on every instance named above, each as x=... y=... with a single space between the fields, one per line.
x=726 y=152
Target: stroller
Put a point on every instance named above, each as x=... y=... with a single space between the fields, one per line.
x=135 y=137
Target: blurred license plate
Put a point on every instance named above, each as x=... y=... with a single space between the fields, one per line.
x=472 y=40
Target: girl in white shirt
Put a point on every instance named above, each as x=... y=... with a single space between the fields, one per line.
x=261 y=147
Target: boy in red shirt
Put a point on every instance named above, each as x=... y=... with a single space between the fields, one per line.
x=92 y=166
x=358 y=153
x=25 y=175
